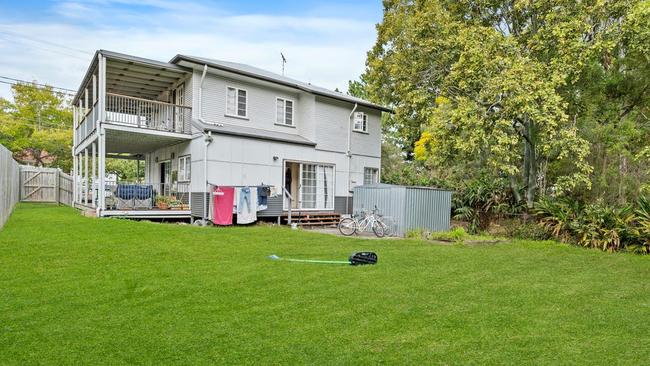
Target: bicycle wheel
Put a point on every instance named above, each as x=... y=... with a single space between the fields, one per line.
x=378 y=229
x=347 y=226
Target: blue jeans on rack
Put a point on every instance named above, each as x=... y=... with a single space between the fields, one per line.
x=244 y=196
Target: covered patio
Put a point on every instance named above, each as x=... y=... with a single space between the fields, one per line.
x=127 y=107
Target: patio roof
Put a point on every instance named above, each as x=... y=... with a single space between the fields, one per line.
x=133 y=76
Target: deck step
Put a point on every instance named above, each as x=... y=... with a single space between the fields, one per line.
x=312 y=219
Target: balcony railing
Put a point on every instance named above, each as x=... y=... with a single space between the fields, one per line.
x=148 y=114
x=147 y=196
x=88 y=123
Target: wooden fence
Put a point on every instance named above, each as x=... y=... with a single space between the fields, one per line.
x=9 y=184
x=45 y=185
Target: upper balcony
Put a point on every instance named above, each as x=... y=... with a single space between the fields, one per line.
x=133 y=95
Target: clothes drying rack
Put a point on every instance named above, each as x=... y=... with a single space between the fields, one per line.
x=285 y=192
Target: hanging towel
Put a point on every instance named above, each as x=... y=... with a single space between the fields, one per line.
x=246 y=207
x=223 y=203
x=263 y=193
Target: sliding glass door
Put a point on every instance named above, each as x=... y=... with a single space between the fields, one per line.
x=316 y=188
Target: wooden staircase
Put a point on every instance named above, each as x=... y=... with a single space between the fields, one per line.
x=312 y=219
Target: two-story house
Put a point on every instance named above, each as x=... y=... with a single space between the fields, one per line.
x=197 y=123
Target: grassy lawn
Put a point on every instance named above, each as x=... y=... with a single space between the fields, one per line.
x=76 y=290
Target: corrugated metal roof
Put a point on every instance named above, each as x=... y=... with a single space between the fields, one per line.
x=256 y=133
x=258 y=73
x=233 y=67
x=385 y=185
x=135 y=60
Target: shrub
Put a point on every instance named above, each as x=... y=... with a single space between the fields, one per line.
x=481 y=200
x=415 y=234
x=529 y=230
x=457 y=234
x=598 y=226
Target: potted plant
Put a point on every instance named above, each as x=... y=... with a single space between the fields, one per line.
x=162 y=202
x=175 y=204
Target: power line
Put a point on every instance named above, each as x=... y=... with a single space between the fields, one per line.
x=38 y=124
x=32 y=82
x=39 y=85
x=31 y=45
x=10 y=33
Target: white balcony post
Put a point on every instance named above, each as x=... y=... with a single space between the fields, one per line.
x=77 y=178
x=74 y=177
x=94 y=88
x=85 y=176
x=101 y=135
x=74 y=158
x=101 y=194
x=94 y=173
x=101 y=93
x=87 y=108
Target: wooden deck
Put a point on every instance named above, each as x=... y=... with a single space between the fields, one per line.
x=148 y=214
x=312 y=219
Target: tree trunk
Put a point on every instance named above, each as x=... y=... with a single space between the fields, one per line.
x=515 y=189
x=530 y=157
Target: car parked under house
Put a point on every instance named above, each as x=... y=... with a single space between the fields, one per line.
x=198 y=123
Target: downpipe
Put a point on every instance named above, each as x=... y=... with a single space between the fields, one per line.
x=349 y=154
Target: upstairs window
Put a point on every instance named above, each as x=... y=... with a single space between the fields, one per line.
x=360 y=122
x=184 y=168
x=237 y=102
x=284 y=112
x=370 y=175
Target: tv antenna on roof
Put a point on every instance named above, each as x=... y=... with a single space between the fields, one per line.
x=284 y=61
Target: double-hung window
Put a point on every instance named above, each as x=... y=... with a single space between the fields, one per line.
x=237 y=102
x=360 y=122
x=184 y=168
x=370 y=175
x=284 y=112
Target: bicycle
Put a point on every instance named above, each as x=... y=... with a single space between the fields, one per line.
x=350 y=225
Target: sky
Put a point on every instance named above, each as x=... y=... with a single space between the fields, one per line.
x=52 y=42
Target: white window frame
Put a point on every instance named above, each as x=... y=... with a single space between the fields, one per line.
x=363 y=121
x=374 y=172
x=185 y=177
x=237 y=90
x=284 y=112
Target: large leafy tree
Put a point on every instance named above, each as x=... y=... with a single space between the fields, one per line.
x=495 y=84
x=37 y=126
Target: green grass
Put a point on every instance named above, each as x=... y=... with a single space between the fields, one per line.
x=76 y=290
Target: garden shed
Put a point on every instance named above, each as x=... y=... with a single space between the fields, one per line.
x=406 y=207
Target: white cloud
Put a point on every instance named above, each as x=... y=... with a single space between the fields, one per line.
x=326 y=51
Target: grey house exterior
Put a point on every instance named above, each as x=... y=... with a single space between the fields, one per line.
x=195 y=120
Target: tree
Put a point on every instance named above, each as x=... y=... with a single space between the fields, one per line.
x=37 y=126
x=495 y=84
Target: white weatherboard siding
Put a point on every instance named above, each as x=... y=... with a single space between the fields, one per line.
x=333 y=120
x=260 y=101
x=234 y=160
x=152 y=171
x=306 y=117
x=243 y=161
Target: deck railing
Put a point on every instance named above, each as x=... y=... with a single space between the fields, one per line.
x=143 y=196
x=88 y=123
x=149 y=114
